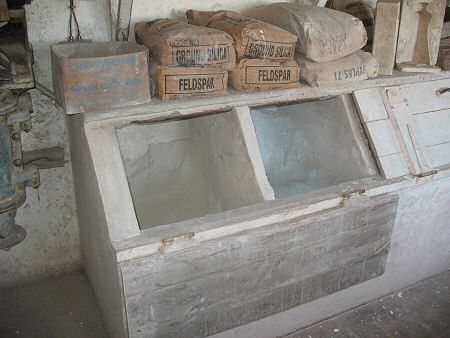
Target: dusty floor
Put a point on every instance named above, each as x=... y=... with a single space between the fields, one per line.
x=419 y=311
x=64 y=306
x=58 y=307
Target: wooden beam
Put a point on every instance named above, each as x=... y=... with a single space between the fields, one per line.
x=123 y=20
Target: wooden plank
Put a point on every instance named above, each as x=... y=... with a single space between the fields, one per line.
x=361 y=141
x=380 y=132
x=251 y=142
x=385 y=35
x=434 y=127
x=95 y=240
x=123 y=19
x=383 y=137
x=369 y=104
x=393 y=165
x=218 y=284
x=445 y=30
x=439 y=154
x=305 y=229
x=157 y=109
x=424 y=97
x=105 y=153
x=407 y=132
x=4 y=14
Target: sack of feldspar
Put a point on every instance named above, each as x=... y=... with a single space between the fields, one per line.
x=355 y=67
x=173 y=83
x=324 y=34
x=254 y=75
x=362 y=11
x=175 y=43
x=252 y=38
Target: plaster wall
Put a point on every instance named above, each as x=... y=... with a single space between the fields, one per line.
x=49 y=214
x=151 y=10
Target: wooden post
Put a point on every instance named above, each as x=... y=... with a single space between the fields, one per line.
x=385 y=36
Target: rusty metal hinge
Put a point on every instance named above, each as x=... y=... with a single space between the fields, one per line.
x=170 y=240
x=427 y=173
x=350 y=193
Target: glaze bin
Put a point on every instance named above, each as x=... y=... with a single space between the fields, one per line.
x=200 y=218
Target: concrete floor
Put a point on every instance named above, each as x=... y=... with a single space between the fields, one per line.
x=422 y=310
x=64 y=306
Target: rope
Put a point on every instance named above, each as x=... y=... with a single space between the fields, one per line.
x=73 y=17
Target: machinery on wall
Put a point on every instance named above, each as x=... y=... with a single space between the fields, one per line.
x=16 y=77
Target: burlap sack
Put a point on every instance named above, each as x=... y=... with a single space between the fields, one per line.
x=174 y=83
x=252 y=38
x=362 y=11
x=175 y=43
x=355 y=67
x=324 y=34
x=254 y=75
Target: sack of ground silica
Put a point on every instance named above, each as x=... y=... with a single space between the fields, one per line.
x=355 y=67
x=252 y=38
x=324 y=34
x=254 y=75
x=173 y=83
x=176 y=43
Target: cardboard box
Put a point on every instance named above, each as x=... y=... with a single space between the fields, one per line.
x=173 y=83
x=99 y=76
x=254 y=75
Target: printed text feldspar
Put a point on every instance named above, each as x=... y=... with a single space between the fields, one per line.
x=196 y=84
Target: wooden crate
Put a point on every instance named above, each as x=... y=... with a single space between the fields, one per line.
x=99 y=76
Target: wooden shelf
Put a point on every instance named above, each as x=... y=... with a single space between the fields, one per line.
x=171 y=109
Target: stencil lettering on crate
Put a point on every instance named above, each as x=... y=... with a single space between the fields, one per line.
x=109 y=74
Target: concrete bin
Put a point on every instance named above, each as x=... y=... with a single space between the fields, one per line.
x=196 y=218
x=309 y=146
x=184 y=169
